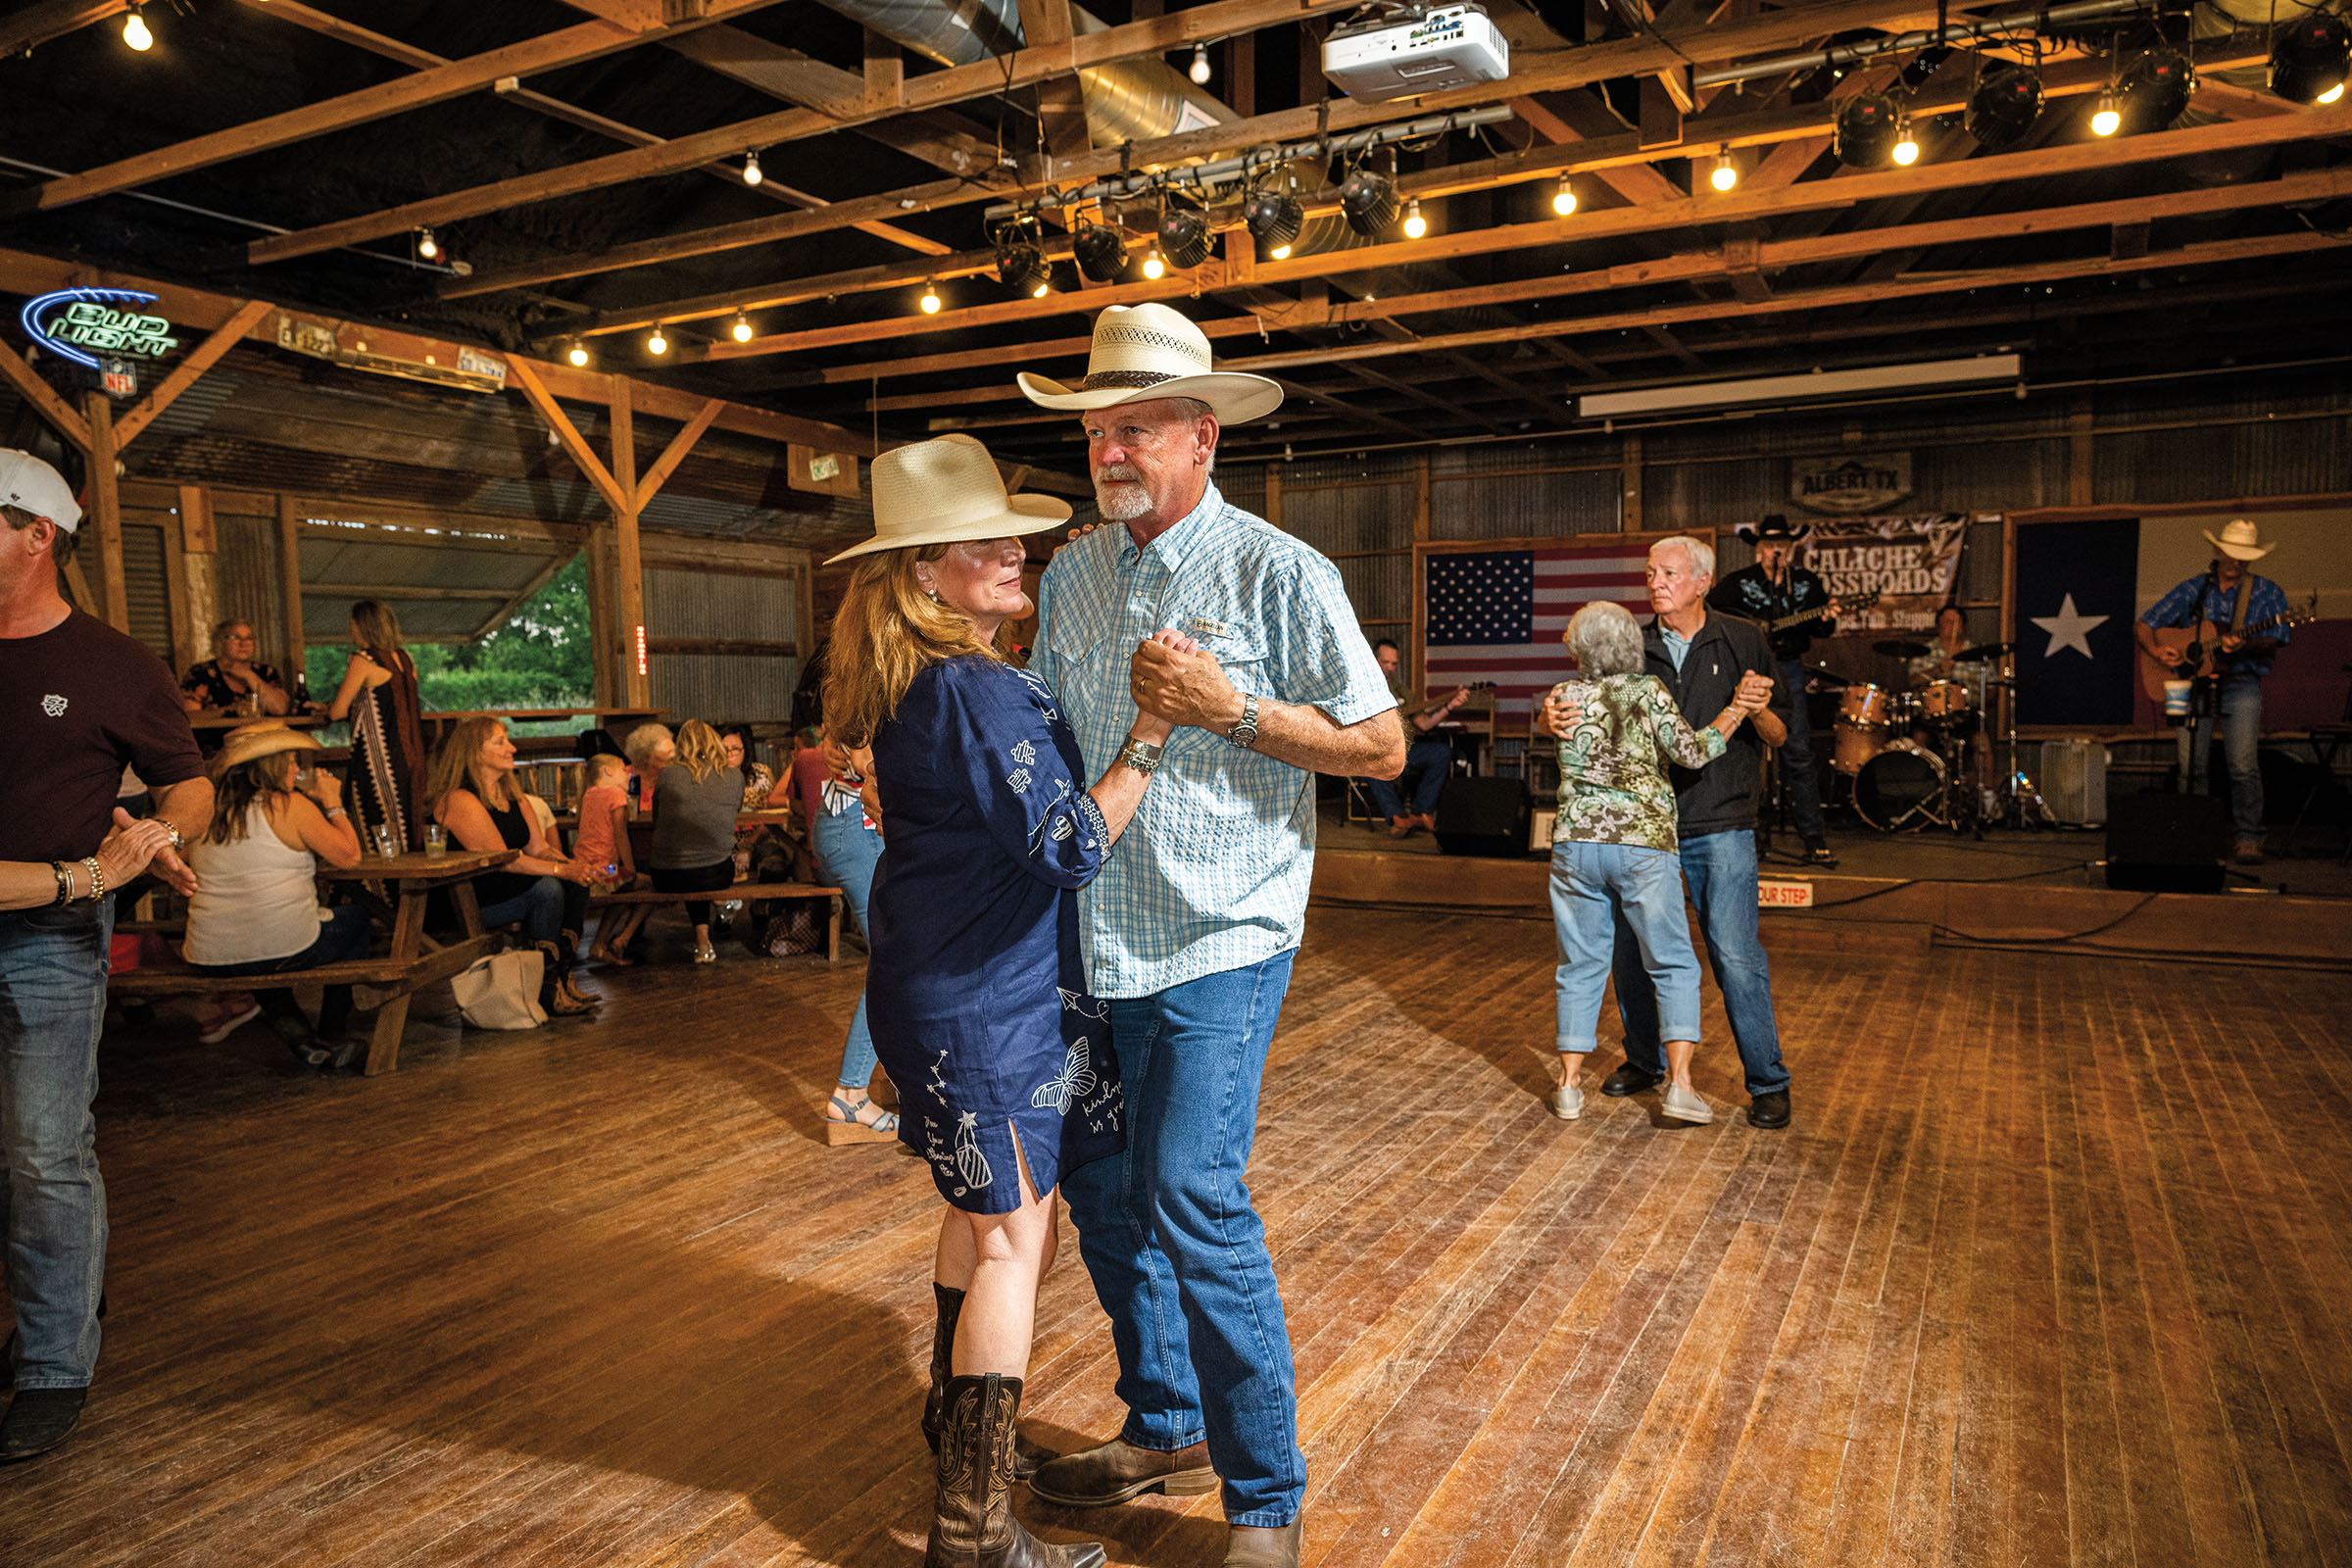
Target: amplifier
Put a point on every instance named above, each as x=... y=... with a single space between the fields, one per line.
x=1483 y=816
x=2165 y=843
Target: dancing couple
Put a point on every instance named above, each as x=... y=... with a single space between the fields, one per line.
x=1075 y=985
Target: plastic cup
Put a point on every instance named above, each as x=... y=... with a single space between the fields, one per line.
x=2175 y=699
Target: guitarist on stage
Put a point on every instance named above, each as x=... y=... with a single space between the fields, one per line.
x=1773 y=588
x=2232 y=597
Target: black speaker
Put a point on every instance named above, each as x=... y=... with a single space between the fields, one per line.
x=2162 y=843
x=1483 y=816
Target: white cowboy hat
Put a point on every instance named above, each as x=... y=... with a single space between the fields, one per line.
x=944 y=491
x=2239 y=541
x=1143 y=352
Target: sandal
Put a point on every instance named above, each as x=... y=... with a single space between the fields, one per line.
x=602 y=951
x=847 y=1129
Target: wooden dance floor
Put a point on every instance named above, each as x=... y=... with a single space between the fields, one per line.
x=2053 y=1268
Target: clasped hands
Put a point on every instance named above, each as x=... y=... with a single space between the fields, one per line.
x=134 y=845
x=1174 y=681
x=1749 y=698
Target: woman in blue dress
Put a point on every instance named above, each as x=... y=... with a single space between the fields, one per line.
x=976 y=993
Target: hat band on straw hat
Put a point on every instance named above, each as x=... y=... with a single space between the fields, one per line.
x=1097 y=381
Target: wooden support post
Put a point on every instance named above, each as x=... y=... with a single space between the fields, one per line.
x=604 y=635
x=1240 y=74
x=37 y=392
x=104 y=506
x=186 y=645
x=289 y=584
x=628 y=565
x=1629 y=485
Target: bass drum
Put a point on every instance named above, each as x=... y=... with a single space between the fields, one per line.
x=1856 y=745
x=1895 y=788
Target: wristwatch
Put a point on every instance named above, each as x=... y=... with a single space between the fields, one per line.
x=179 y=839
x=1245 y=734
x=1141 y=756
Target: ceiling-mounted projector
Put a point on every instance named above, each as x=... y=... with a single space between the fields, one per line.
x=1415 y=49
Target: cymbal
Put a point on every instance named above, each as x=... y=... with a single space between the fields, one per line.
x=1828 y=677
x=1899 y=648
x=1983 y=652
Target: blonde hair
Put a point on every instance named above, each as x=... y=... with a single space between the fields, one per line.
x=378 y=627
x=604 y=763
x=458 y=766
x=644 y=741
x=888 y=630
x=699 y=750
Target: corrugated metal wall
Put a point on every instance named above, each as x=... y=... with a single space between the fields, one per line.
x=715 y=602
x=144 y=586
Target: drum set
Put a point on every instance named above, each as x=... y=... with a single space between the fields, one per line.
x=1904 y=751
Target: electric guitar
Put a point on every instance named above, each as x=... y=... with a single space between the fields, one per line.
x=2199 y=644
x=1839 y=606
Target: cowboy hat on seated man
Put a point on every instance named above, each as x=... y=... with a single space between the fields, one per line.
x=1192 y=928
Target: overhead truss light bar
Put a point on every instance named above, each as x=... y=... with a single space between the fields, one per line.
x=1792 y=388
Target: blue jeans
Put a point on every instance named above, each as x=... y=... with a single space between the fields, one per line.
x=1177 y=1254
x=1593 y=886
x=342 y=938
x=1427 y=767
x=1797 y=777
x=539 y=907
x=847 y=853
x=2241 y=702
x=53 y=1207
x=1721 y=869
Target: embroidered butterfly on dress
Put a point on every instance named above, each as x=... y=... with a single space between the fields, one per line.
x=1077 y=1077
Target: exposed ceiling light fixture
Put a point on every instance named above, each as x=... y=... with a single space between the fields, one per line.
x=1868 y=129
x=1200 y=70
x=1274 y=217
x=1416 y=226
x=134 y=30
x=2155 y=89
x=1563 y=200
x=1368 y=201
x=2002 y=108
x=1185 y=237
x=656 y=343
x=1100 y=251
x=1726 y=174
x=1154 y=266
x=2310 y=58
x=1906 y=146
x=751 y=169
x=740 y=331
x=930 y=301
x=577 y=355
x=2106 y=120
x=1020 y=266
x=426 y=246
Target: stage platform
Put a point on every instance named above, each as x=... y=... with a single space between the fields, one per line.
x=2044 y=889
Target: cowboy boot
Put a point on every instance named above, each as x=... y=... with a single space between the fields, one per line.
x=1026 y=1455
x=553 y=999
x=972 y=1523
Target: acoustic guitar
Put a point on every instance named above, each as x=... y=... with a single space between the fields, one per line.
x=2199 y=644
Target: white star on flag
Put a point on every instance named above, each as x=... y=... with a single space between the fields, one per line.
x=2069 y=628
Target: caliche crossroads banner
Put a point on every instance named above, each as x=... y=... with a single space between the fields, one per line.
x=1909 y=563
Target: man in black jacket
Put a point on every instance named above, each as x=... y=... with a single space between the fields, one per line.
x=1776 y=588
x=1701 y=658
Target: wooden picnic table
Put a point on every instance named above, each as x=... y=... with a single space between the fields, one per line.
x=417 y=961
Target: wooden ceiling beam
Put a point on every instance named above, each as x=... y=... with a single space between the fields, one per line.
x=566 y=46
x=43 y=397
x=36 y=24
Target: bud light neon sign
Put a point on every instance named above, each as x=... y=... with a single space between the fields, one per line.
x=79 y=324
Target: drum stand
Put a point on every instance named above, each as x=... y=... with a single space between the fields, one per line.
x=2021 y=804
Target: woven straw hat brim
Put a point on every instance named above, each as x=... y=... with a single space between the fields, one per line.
x=1024 y=515
x=1236 y=396
x=2238 y=552
x=250 y=741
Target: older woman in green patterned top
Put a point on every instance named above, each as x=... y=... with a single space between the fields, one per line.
x=1614 y=850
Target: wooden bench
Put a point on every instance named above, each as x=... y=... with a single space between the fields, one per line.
x=741 y=892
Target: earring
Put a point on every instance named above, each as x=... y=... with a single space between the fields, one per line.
x=934 y=593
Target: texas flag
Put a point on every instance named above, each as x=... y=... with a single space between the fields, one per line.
x=2075 y=587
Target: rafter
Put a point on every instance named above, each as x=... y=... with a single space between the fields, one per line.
x=35 y=24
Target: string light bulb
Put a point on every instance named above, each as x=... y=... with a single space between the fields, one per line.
x=1906 y=147
x=2106 y=120
x=751 y=169
x=656 y=344
x=578 y=354
x=1416 y=226
x=426 y=246
x=1563 y=200
x=930 y=301
x=1200 y=70
x=740 y=331
x=1154 y=266
x=134 y=31
x=1726 y=174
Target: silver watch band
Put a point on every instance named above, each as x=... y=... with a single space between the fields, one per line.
x=1245 y=734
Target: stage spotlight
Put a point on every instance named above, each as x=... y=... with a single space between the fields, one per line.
x=751 y=169
x=930 y=301
x=1906 y=146
x=1100 y=251
x=1563 y=200
x=2155 y=89
x=741 y=330
x=2106 y=120
x=578 y=354
x=426 y=246
x=1184 y=238
x=1725 y=173
x=2003 y=107
x=1020 y=267
x=1200 y=70
x=1869 y=128
x=1154 y=266
x=2310 y=58
x=134 y=30
x=1416 y=226
x=1368 y=201
x=1273 y=218
x=1280 y=253
x=656 y=344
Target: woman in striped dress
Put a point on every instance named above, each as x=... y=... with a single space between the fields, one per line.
x=378 y=696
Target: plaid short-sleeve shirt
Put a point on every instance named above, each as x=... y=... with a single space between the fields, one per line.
x=1212 y=873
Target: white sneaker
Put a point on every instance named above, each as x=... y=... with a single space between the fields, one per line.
x=1683 y=1106
x=1567 y=1103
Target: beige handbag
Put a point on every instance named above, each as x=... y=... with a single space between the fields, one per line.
x=501 y=991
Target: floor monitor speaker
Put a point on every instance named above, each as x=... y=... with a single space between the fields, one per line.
x=2165 y=843
x=1483 y=816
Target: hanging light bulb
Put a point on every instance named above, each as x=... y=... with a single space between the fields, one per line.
x=740 y=331
x=578 y=354
x=2106 y=120
x=134 y=31
x=1154 y=266
x=1200 y=70
x=1726 y=174
x=1416 y=226
x=1563 y=200
x=656 y=344
x=751 y=169
x=426 y=246
x=930 y=301
x=1906 y=147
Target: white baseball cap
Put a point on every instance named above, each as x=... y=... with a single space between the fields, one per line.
x=28 y=482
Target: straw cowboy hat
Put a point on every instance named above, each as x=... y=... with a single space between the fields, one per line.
x=264 y=738
x=944 y=492
x=1143 y=352
x=2239 y=541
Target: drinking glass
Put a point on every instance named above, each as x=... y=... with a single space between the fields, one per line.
x=386 y=845
x=436 y=839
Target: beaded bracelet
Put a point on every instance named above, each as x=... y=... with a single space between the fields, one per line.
x=65 y=882
x=97 y=879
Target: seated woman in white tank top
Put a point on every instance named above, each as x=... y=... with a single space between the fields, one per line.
x=256 y=908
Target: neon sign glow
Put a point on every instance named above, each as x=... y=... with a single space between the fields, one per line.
x=86 y=322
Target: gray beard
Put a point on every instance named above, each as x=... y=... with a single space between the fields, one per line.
x=1122 y=502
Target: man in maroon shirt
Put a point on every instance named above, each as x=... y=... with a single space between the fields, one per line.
x=78 y=702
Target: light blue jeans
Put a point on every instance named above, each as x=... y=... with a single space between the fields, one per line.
x=847 y=853
x=2241 y=702
x=1176 y=1250
x=1593 y=886
x=53 y=1207
x=1721 y=871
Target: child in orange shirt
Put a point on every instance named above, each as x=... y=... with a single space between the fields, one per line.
x=602 y=841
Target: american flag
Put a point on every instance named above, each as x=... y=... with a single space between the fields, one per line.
x=1497 y=614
